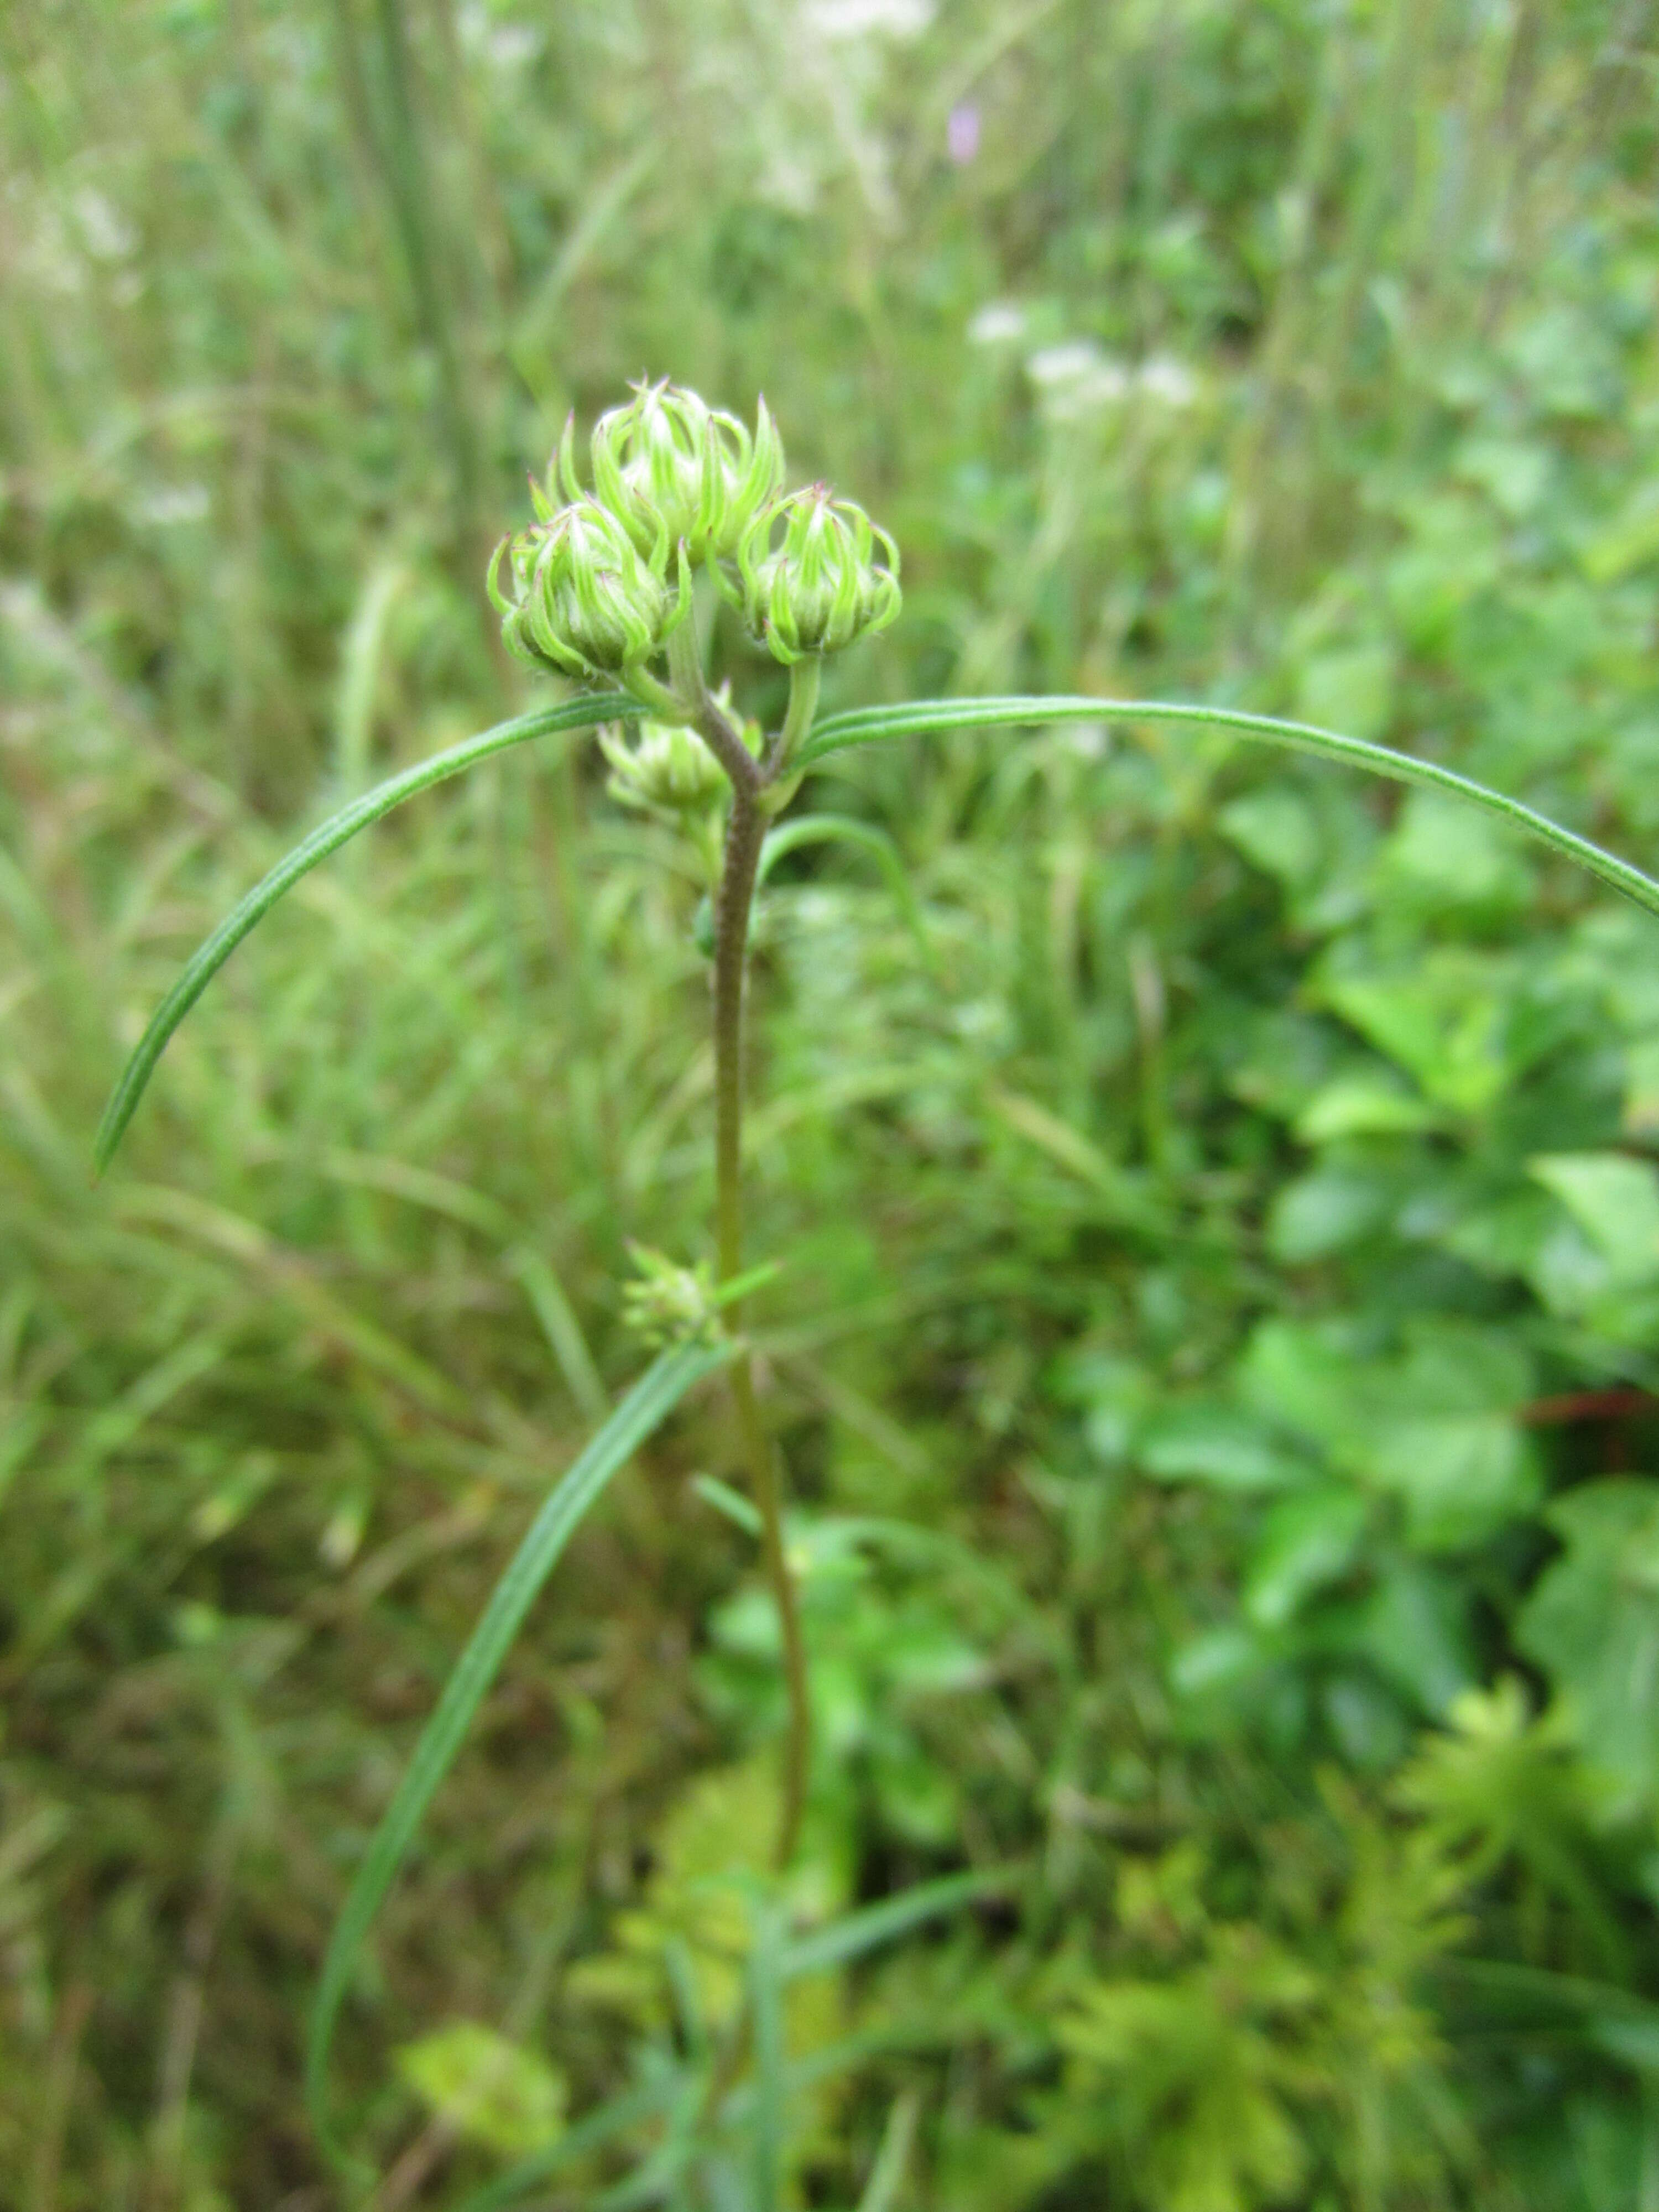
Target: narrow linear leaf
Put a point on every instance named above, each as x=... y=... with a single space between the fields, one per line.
x=759 y=2103
x=328 y=838
x=766 y=1978
x=872 y=725
x=846 y=829
x=564 y=1332
x=887 y=2174
x=615 y=2118
x=658 y=1391
x=850 y=1937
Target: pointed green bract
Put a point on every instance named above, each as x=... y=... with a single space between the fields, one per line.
x=867 y=725
x=328 y=838
x=652 y=1398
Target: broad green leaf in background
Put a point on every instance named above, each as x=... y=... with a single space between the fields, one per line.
x=1365 y=1102
x=1442 y=1019
x=1443 y=858
x=1222 y=1446
x=1433 y=1425
x=1415 y=1629
x=1316 y=843
x=1459 y=1476
x=1592 y=1623
x=1307 y=1542
x=1628 y=542
x=1302 y=1376
x=1615 y=1199
x=1351 y=687
x=1328 y=1210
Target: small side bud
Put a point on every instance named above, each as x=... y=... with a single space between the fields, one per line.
x=580 y=599
x=666 y=770
x=831 y=577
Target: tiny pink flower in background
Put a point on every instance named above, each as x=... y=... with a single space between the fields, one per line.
x=962 y=133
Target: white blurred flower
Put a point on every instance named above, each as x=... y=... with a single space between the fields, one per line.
x=787 y=179
x=107 y=234
x=863 y=18
x=1163 y=378
x=999 y=323
x=171 y=503
x=1076 y=379
x=509 y=46
x=1088 y=741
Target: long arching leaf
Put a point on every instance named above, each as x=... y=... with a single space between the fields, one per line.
x=865 y=725
x=328 y=838
x=658 y=1391
x=844 y=829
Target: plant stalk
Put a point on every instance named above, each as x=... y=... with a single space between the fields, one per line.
x=744 y=831
x=803 y=677
x=703 y=711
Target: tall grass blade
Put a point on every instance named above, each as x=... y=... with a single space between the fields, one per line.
x=887 y=2174
x=865 y=726
x=328 y=838
x=856 y=1933
x=658 y=1391
x=615 y=2118
x=766 y=1975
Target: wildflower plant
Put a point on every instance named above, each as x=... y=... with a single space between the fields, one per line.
x=598 y=587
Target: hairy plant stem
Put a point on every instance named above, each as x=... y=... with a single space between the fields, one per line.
x=744 y=831
x=708 y=718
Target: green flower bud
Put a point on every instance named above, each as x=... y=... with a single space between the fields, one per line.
x=667 y=1304
x=665 y=767
x=825 y=584
x=668 y=464
x=582 y=601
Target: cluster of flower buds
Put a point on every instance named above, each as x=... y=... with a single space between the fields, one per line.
x=596 y=586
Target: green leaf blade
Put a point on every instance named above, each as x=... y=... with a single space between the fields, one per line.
x=656 y=1394
x=827 y=1949
x=873 y=725
x=328 y=838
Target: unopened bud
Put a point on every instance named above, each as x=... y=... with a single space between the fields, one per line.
x=667 y=463
x=664 y=767
x=582 y=599
x=667 y=1304
x=666 y=770
x=832 y=577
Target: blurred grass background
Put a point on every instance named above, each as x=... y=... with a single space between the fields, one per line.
x=1232 y=1235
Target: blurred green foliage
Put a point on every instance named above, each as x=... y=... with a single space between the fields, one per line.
x=1218 y=1351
